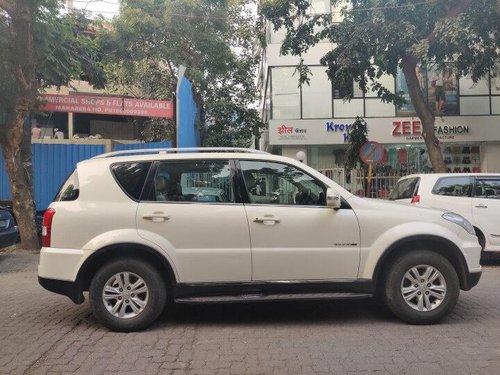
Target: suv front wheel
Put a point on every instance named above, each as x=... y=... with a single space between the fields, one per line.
x=127 y=294
x=421 y=287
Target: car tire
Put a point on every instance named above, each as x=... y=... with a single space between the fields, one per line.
x=127 y=294
x=421 y=287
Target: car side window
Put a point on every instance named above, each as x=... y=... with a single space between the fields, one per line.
x=454 y=186
x=281 y=184
x=405 y=189
x=487 y=188
x=131 y=177
x=193 y=181
x=70 y=190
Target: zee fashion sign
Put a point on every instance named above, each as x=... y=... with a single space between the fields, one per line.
x=412 y=129
x=107 y=105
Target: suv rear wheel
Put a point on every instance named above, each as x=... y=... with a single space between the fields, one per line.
x=421 y=287
x=127 y=294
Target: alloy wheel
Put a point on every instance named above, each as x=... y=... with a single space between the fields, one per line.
x=125 y=295
x=423 y=288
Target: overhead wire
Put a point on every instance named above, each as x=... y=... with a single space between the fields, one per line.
x=185 y=15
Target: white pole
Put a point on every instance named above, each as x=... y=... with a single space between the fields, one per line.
x=70 y=125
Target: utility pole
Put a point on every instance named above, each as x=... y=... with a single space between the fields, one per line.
x=69 y=5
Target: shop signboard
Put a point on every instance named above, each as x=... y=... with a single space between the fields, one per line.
x=384 y=130
x=289 y=132
x=107 y=105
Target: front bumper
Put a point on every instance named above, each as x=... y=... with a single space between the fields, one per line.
x=472 y=279
x=66 y=288
x=8 y=237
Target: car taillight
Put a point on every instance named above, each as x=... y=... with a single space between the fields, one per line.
x=415 y=199
x=47 y=226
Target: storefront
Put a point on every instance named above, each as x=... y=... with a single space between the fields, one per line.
x=316 y=117
x=466 y=143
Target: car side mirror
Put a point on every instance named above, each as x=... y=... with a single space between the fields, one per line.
x=333 y=199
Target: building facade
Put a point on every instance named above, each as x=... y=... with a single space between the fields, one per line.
x=315 y=118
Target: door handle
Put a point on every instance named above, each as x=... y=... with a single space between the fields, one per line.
x=266 y=220
x=156 y=217
x=481 y=206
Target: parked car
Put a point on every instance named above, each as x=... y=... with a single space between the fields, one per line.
x=8 y=228
x=278 y=230
x=202 y=194
x=475 y=196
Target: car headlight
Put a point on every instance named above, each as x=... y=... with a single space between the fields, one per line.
x=460 y=220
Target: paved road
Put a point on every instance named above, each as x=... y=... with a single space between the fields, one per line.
x=44 y=333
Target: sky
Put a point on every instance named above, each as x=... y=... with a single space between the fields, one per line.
x=106 y=8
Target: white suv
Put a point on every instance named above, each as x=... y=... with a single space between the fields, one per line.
x=476 y=196
x=139 y=228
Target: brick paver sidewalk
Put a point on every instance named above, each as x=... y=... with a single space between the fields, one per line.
x=41 y=332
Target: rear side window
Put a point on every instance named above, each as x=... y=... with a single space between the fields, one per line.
x=487 y=188
x=193 y=181
x=70 y=189
x=405 y=189
x=454 y=186
x=131 y=177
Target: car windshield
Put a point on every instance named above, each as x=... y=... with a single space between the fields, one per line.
x=405 y=189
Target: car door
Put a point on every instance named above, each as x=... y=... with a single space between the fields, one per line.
x=294 y=236
x=453 y=193
x=191 y=205
x=486 y=209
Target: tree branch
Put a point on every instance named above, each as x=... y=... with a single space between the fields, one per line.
x=7 y=5
x=170 y=68
x=454 y=11
x=459 y=8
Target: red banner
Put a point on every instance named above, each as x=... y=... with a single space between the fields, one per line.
x=107 y=105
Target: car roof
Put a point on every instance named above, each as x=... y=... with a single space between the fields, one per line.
x=439 y=175
x=184 y=154
x=182 y=150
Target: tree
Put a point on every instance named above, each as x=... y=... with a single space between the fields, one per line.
x=377 y=37
x=358 y=135
x=39 y=47
x=214 y=39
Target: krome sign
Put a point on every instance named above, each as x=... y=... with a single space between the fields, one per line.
x=332 y=127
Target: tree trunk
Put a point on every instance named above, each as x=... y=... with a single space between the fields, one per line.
x=15 y=141
x=20 y=182
x=424 y=113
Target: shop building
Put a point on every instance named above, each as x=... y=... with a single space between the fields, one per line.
x=80 y=112
x=315 y=119
x=92 y=122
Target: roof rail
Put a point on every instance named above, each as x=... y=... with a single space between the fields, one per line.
x=145 y=151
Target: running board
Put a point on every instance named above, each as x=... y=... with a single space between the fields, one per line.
x=256 y=297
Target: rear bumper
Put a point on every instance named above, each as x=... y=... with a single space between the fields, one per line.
x=58 y=269
x=60 y=264
x=66 y=288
